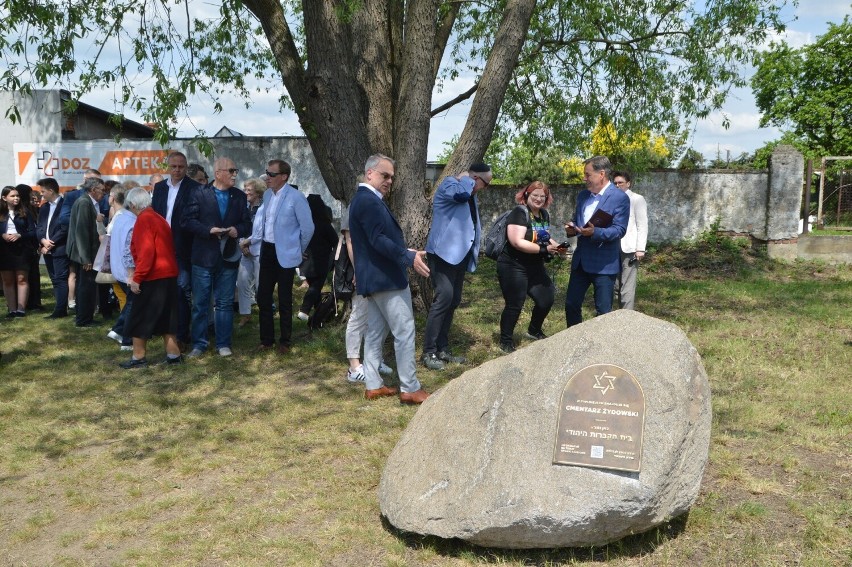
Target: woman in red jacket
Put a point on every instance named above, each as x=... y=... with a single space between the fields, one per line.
x=152 y=270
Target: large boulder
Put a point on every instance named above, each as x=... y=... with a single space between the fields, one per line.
x=477 y=460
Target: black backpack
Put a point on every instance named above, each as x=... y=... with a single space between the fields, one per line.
x=495 y=238
x=324 y=312
x=343 y=276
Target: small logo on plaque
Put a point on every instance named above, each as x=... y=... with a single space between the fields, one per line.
x=601 y=419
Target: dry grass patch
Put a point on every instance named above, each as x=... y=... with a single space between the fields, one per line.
x=268 y=460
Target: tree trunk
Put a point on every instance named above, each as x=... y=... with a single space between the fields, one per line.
x=479 y=128
x=367 y=88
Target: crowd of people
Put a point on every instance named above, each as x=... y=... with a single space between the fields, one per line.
x=178 y=258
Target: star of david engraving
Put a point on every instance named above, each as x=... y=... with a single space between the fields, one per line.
x=603 y=382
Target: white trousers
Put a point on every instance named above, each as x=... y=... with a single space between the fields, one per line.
x=356 y=327
x=247 y=278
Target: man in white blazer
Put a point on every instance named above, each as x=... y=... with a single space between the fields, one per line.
x=286 y=229
x=633 y=243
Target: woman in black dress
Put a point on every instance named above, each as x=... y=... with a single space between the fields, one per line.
x=17 y=225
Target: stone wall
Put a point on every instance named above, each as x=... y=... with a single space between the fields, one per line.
x=682 y=204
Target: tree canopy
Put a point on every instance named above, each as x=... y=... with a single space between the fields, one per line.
x=809 y=90
x=361 y=74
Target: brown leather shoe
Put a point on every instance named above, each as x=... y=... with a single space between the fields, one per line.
x=265 y=348
x=413 y=398
x=283 y=349
x=244 y=320
x=380 y=392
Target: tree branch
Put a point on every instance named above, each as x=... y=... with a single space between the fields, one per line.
x=451 y=103
x=442 y=36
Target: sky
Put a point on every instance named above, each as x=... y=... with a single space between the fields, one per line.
x=708 y=136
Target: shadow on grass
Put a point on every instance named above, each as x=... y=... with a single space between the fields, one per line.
x=632 y=546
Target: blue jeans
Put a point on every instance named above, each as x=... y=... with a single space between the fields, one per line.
x=220 y=282
x=127 y=340
x=578 y=285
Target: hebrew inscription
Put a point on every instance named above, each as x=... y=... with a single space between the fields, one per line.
x=601 y=419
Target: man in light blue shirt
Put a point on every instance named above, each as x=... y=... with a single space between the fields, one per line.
x=287 y=229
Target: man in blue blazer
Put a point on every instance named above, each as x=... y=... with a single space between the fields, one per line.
x=52 y=237
x=287 y=228
x=216 y=215
x=381 y=276
x=453 y=249
x=169 y=199
x=597 y=258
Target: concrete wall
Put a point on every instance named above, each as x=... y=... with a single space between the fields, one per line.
x=41 y=119
x=831 y=249
x=251 y=154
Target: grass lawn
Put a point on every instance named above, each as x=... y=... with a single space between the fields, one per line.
x=266 y=460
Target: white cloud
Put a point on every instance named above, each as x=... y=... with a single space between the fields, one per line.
x=830 y=10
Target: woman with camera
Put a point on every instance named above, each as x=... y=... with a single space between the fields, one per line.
x=520 y=267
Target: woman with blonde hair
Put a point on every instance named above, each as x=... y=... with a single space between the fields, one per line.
x=249 y=270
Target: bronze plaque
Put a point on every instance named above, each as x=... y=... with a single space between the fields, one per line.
x=601 y=419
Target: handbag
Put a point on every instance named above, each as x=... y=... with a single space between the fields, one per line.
x=101 y=264
x=105 y=278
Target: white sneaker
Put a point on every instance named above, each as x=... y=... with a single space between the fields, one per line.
x=225 y=351
x=195 y=353
x=356 y=377
x=385 y=369
x=125 y=348
x=115 y=336
x=302 y=316
x=72 y=304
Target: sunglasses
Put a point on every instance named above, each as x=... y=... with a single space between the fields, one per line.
x=232 y=170
x=273 y=174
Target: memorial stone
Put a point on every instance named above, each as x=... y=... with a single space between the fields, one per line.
x=480 y=460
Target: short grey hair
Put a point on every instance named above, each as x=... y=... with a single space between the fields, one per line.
x=137 y=199
x=118 y=192
x=91 y=183
x=375 y=159
x=601 y=163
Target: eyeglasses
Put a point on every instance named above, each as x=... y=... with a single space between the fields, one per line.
x=232 y=170
x=485 y=184
x=273 y=173
x=385 y=175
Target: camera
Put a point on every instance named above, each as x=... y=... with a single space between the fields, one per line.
x=632 y=261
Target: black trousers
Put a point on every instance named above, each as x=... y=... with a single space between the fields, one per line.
x=86 y=295
x=517 y=281
x=272 y=274
x=314 y=293
x=447 y=282
x=34 y=280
